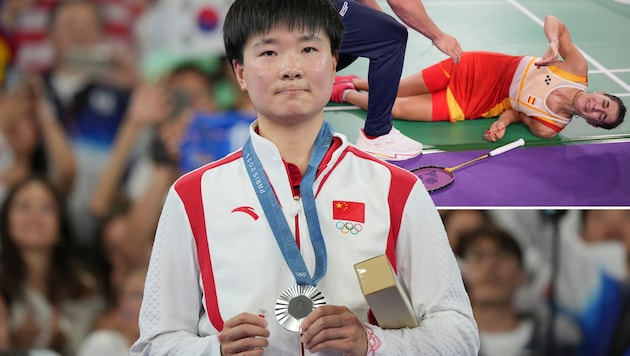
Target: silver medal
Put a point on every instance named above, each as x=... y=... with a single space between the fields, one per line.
x=295 y=304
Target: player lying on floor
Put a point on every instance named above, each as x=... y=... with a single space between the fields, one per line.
x=543 y=93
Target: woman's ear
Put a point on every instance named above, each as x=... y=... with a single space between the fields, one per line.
x=239 y=72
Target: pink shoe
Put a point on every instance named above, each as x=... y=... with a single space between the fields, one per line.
x=338 y=89
x=345 y=78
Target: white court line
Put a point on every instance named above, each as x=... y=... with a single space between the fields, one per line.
x=600 y=67
x=341 y=108
x=626 y=2
x=595 y=71
x=467 y=3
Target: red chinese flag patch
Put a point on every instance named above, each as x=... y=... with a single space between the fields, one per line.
x=348 y=210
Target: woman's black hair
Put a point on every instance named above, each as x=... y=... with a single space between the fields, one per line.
x=247 y=18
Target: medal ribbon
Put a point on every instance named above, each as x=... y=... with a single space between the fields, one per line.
x=275 y=216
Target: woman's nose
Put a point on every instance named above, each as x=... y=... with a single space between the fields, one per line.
x=292 y=67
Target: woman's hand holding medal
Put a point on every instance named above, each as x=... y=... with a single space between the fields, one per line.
x=244 y=334
x=332 y=327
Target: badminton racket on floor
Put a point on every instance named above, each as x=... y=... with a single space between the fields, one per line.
x=435 y=177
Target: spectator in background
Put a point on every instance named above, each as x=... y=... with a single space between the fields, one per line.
x=90 y=83
x=52 y=301
x=118 y=338
x=460 y=221
x=535 y=232
x=32 y=141
x=493 y=272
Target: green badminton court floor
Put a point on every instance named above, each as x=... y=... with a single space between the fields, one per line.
x=600 y=29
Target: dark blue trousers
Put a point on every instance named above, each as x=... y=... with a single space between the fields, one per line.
x=375 y=35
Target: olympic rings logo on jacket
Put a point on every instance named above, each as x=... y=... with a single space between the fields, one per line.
x=349 y=227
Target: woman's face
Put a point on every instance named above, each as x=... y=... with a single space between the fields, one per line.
x=77 y=25
x=493 y=274
x=34 y=218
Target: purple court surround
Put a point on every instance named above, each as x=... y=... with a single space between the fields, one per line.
x=579 y=175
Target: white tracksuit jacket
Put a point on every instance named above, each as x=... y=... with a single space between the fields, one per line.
x=235 y=265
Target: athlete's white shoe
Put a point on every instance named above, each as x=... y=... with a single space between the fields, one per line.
x=393 y=146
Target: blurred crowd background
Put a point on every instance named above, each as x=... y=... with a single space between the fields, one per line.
x=104 y=103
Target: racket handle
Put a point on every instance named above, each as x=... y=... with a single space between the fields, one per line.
x=497 y=151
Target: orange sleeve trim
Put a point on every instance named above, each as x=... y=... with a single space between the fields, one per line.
x=547 y=123
x=568 y=76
